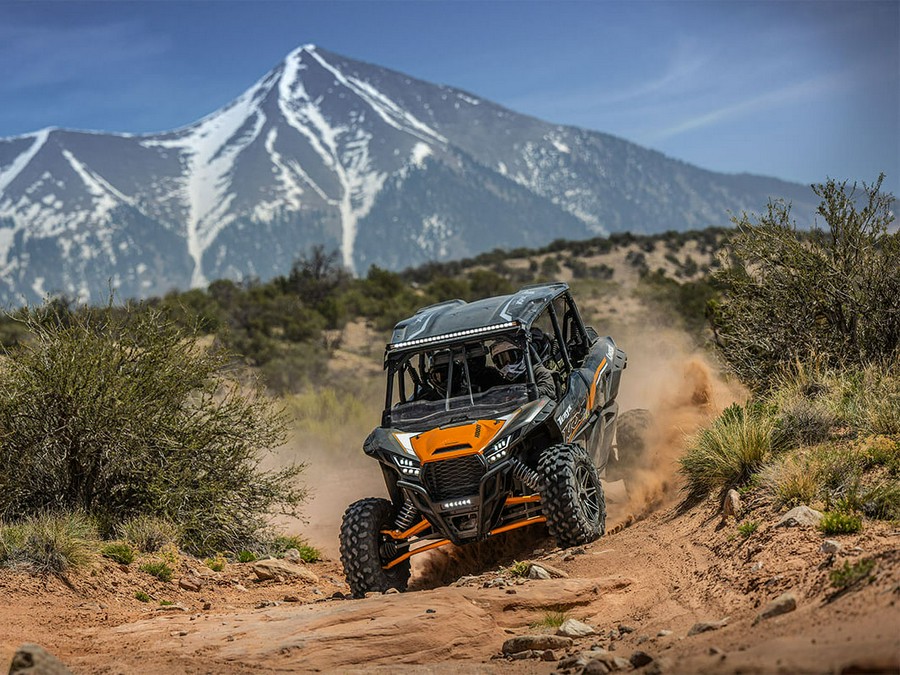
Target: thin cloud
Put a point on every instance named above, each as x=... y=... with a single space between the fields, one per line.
x=791 y=94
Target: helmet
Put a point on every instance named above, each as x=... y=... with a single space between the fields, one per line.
x=438 y=373
x=508 y=359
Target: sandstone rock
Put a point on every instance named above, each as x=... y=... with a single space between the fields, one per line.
x=391 y=591
x=706 y=626
x=190 y=583
x=732 y=505
x=664 y=633
x=640 y=659
x=538 y=572
x=171 y=608
x=291 y=598
x=554 y=572
x=802 y=516
x=784 y=603
x=715 y=651
x=527 y=654
x=548 y=655
x=522 y=643
x=293 y=555
x=574 y=628
x=31 y=659
x=282 y=569
x=830 y=546
x=625 y=629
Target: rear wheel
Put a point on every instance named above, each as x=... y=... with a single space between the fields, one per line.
x=364 y=550
x=571 y=497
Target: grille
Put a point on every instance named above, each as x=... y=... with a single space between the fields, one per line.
x=451 y=478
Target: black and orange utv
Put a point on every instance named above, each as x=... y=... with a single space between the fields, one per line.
x=472 y=445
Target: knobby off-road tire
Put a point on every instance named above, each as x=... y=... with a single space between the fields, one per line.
x=572 y=497
x=363 y=548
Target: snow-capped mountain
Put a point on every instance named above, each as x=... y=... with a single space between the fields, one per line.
x=390 y=170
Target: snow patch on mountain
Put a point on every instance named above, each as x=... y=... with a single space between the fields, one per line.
x=8 y=175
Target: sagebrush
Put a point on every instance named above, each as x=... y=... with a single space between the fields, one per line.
x=119 y=413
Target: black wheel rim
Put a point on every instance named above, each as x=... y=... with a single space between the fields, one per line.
x=586 y=489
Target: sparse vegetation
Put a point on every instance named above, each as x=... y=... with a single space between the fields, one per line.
x=216 y=563
x=119 y=551
x=246 y=556
x=747 y=528
x=141 y=596
x=837 y=522
x=519 y=569
x=850 y=574
x=159 y=569
x=551 y=619
x=48 y=543
x=149 y=533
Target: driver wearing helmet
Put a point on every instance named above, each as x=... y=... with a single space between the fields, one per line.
x=509 y=360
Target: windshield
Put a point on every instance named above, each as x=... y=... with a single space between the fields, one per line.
x=494 y=402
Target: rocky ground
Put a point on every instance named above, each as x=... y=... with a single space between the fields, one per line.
x=672 y=592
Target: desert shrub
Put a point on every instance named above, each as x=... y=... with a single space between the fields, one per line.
x=48 y=543
x=246 y=556
x=805 y=422
x=838 y=522
x=728 y=452
x=880 y=451
x=141 y=596
x=216 y=563
x=788 y=297
x=159 y=569
x=519 y=569
x=283 y=543
x=149 y=533
x=121 y=414
x=747 y=528
x=792 y=481
x=119 y=551
x=850 y=574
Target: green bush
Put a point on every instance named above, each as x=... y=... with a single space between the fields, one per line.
x=728 y=452
x=119 y=551
x=791 y=481
x=790 y=297
x=837 y=522
x=747 y=528
x=283 y=543
x=246 y=556
x=120 y=413
x=215 y=563
x=159 y=569
x=141 y=596
x=850 y=574
x=48 y=544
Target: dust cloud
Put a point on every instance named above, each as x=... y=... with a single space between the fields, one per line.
x=683 y=389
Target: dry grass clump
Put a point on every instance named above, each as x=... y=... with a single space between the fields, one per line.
x=48 y=543
x=149 y=534
x=731 y=450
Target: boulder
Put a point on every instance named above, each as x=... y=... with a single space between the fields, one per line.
x=540 y=643
x=31 y=659
x=732 y=505
x=783 y=604
x=538 y=572
x=800 y=516
x=190 y=583
x=640 y=659
x=574 y=628
x=554 y=572
x=282 y=569
x=830 y=546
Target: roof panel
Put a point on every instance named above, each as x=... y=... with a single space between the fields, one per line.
x=456 y=315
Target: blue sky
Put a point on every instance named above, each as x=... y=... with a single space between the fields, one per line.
x=797 y=90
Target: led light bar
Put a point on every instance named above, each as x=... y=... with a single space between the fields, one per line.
x=455 y=503
x=451 y=336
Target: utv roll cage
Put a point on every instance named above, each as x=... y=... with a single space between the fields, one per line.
x=456 y=325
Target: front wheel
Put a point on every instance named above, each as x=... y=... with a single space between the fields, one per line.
x=364 y=550
x=572 y=496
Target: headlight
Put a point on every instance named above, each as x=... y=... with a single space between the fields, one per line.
x=498 y=450
x=409 y=467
